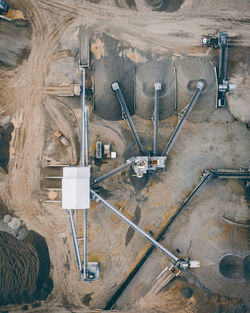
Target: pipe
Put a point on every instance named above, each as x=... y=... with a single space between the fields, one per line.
x=223 y=44
x=156 y=117
x=98 y=198
x=75 y=242
x=190 y=106
x=112 y=172
x=242 y=173
x=82 y=147
x=117 y=90
x=110 y=304
x=84 y=160
x=86 y=116
x=85 y=244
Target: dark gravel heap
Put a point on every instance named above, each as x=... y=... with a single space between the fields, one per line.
x=19 y=267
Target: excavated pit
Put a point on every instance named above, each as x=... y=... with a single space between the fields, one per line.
x=231 y=266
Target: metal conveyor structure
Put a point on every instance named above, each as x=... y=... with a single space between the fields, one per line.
x=221 y=42
x=77 y=186
x=172 y=271
x=144 y=164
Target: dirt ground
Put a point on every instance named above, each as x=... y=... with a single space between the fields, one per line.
x=45 y=54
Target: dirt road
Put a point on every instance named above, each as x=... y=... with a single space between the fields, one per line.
x=34 y=114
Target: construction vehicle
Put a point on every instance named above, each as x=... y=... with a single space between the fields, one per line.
x=210 y=42
x=98 y=151
x=62 y=138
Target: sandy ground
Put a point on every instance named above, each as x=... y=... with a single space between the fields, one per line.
x=219 y=140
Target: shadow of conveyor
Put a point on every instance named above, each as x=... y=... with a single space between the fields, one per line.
x=5 y=138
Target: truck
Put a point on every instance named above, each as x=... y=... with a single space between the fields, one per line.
x=62 y=138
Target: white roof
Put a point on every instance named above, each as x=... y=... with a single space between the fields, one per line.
x=76 y=188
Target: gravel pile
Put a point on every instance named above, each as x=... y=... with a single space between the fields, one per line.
x=19 y=267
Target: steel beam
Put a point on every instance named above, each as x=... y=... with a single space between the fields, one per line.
x=117 y=90
x=110 y=304
x=223 y=45
x=190 y=106
x=98 y=198
x=241 y=173
x=86 y=117
x=156 y=117
x=112 y=172
x=75 y=241
x=85 y=245
x=82 y=147
x=84 y=47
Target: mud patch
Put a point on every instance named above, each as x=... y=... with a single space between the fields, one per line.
x=164 y=5
x=15 y=42
x=187 y=292
x=126 y=3
x=87 y=298
x=247 y=268
x=103 y=192
x=137 y=183
x=4 y=210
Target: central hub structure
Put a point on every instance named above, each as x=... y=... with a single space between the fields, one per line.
x=144 y=164
x=76 y=188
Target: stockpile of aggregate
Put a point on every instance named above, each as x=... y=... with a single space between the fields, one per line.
x=19 y=268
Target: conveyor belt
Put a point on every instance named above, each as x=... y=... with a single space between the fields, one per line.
x=186 y=113
x=117 y=90
x=110 y=304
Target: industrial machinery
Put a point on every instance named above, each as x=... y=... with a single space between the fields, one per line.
x=221 y=42
x=146 y=163
x=142 y=164
x=3 y=6
x=177 y=264
x=10 y=14
x=77 y=187
x=3 y=10
x=77 y=190
x=171 y=271
x=76 y=180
